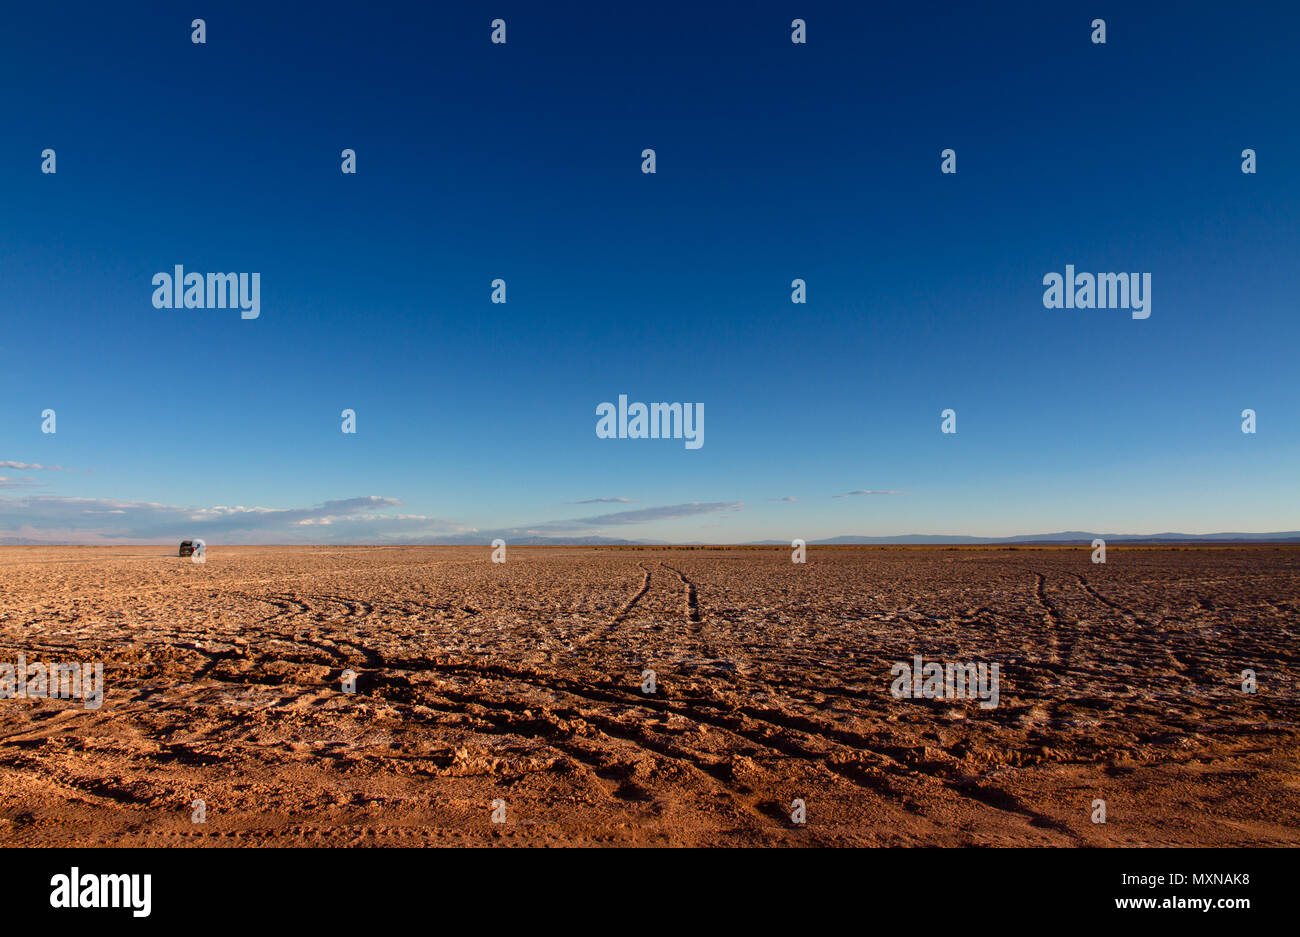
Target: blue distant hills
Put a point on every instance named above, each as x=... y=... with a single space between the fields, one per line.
x=1070 y=536
x=1063 y=537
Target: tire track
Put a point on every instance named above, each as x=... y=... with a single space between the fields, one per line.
x=692 y=598
x=355 y=611
x=284 y=605
x=1051 y=614
x=291 y=609
x=517 y=719
x=356 y=608
x=1128 y=614
x=1148 y=636
x=1052 y=619
x=599 y=634
x=771 y=730
x=631 y=603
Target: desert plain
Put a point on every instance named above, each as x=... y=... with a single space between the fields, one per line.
x=506 y=703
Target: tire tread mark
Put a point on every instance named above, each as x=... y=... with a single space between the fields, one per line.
x=692 y=597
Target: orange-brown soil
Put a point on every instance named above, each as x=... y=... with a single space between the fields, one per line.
x=521 y=683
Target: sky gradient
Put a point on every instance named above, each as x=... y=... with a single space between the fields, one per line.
x=523 y=161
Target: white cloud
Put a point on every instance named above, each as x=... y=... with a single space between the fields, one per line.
x=641 y=516
x=32 y=466
x=365 y=519
x=101 y=520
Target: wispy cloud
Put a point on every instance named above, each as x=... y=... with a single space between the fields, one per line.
x=102 y=520
x=32 y=466
x=600 y=526
x=864 y=491
x=640 y=516
x=604 y=501
x=364 y=519
x=786 y=498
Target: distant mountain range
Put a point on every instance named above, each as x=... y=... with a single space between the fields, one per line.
x=1064 y=537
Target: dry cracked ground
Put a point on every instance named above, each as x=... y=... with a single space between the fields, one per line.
x=516 y=689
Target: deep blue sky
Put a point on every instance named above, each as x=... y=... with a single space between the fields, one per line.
x=522 y=161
